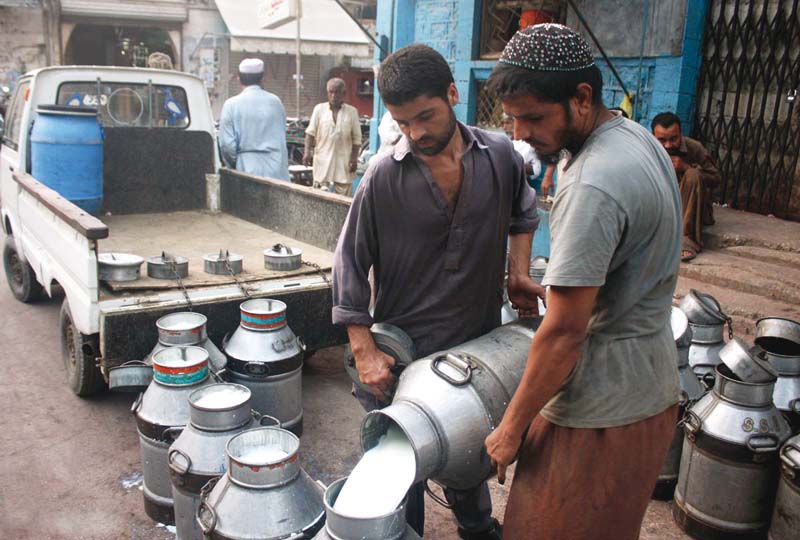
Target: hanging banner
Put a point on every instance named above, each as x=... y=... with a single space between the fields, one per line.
x=274 y=13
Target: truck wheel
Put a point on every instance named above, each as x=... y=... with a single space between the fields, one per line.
x=20 y=276
x=83 y=375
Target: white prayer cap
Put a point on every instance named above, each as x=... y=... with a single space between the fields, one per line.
x=251 y=65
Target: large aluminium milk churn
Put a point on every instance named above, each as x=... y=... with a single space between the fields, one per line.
x=265 y=356
x=447 y=404
x=707 y=321
x=391 y=526
x=184 y=329
x=217 y=413
x=161 y=412
x=729 y=466
x=780 y=339
x=691 y=391
x=265 y=494
x=786 y=517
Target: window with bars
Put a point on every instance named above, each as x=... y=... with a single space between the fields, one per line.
x=489 y=110
x=502 y=18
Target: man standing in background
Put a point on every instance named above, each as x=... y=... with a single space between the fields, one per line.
x=252 y=127
x=333 y=140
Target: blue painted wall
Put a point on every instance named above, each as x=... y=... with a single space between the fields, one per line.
x=452 y=27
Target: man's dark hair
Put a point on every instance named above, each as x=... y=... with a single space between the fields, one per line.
x=551 y=86
x=665 y=120
x=411 y=72
x=248 y=79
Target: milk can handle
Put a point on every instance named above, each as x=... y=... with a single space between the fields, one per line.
x=770 y=445
x=434 y=496
x=261 y=417
x=174 y=466
x=280 y=247
x=691 y=422
x=794 y=405
x=204 y=509
x=137 y=403
x=458 y=363
x=257 y=369
x=788 y=461
x=172 y=432
x=706 y=379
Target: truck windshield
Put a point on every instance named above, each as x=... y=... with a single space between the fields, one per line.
x=129 y=104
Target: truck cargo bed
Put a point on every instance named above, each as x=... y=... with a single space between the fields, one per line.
x=193 y=234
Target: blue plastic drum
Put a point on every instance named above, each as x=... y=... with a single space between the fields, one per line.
x=67 y=154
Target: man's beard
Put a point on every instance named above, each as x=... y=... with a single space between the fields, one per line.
x=440 y=142
x=567 y=138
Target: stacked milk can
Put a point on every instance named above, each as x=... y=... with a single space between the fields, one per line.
x=188 y=415
x=265 y=356
x=735 y=444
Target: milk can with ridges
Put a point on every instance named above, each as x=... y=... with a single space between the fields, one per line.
x=786 y=516
x=391 y=526
x=162 y=412
x=264 y=494
x=691 y=391
x=265 y=356
x=733 y=435
x=473 y=382
x=217 y=413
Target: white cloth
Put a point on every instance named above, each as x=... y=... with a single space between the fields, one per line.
x=528 y=156
x=389 y=132
x=251 y=65
x=334 y=142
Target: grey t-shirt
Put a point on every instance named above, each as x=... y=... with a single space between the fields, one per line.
x=616 y=224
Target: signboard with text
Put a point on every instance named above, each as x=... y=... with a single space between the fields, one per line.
x=274 y=13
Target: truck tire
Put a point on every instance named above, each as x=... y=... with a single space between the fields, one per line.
x=20 y=276
x=83 y=374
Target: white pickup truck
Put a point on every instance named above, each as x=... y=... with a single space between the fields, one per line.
x=163 y=191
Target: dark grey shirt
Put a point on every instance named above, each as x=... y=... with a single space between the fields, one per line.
x=438 y=271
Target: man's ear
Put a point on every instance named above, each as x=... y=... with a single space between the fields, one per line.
x=583 y=99
x=452 y=95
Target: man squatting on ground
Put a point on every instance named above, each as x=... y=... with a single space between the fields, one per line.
x=433 y=219
x=698 y=176
x=594 y=414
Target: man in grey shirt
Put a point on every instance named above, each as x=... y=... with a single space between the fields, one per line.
x=433 y=220
x=598 y=397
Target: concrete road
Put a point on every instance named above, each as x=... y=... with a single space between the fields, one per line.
x=71 y=468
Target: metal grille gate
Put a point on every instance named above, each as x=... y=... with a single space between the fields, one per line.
x=747 y=96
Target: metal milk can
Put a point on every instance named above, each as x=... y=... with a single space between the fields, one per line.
x=217 y=413
x=729 y=466
x=391 y=526
x=265 y=494
x=707 y=321
x=691 y=391
x=780 y=339
x=265 y=356
x=448 y=403
x=786 y=517
x=161 y=413
x=183 y=329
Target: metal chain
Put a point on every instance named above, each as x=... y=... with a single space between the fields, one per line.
x=319 y=270
x=233 y=275
x=174 y=269
x=729 y=321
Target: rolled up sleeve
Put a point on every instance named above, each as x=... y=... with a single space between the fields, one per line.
x=354 y=256
x=524 y=217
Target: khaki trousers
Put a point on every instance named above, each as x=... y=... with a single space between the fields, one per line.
x=586 y=484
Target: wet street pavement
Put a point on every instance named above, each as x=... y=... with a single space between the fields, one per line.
x=71 y=465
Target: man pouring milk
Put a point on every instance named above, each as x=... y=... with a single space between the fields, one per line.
x=433 y=219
